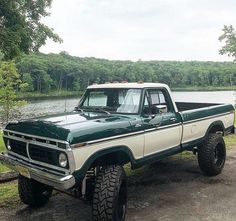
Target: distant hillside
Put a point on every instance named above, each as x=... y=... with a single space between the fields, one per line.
x=57 y=72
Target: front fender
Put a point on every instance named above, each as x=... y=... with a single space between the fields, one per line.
x=113 y=155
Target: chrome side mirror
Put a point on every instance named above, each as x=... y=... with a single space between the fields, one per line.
x=162 y=108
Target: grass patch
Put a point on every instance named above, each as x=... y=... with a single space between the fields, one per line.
x=2 y=146
x=230 y=141
x=139 y=171
x=8 y=191
x=2 y=149
x=3 y=168
x=9 y=195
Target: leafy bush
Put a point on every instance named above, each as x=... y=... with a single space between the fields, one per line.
x=10 y=84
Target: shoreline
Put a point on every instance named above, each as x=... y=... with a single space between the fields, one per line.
x=46 y=97
x=202 y=89
x=38 y=96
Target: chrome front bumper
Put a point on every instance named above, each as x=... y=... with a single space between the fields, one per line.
x=59 y=182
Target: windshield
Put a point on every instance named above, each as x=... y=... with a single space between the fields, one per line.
x=114 y=100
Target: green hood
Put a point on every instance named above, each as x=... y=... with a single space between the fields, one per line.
x=74 y=127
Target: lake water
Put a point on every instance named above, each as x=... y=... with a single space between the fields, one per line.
x=51 y=106
x=206 y=96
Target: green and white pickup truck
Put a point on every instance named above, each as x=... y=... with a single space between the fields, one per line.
x=114 y=124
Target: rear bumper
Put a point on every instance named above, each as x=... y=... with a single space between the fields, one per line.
x=59 y=182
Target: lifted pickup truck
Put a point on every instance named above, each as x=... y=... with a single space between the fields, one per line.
x=114 y=124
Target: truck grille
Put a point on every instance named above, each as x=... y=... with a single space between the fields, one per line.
x=18 y=147
x=36 y=152
x=43 y=154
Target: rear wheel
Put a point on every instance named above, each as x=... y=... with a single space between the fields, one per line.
x=32 y=192
x=212 y=155
x=110 y=195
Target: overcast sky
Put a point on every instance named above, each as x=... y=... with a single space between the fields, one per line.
x=141 y=29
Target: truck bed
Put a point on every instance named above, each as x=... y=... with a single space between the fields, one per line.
x=198 y=117
x=183 y=106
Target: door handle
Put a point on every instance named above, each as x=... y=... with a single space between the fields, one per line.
x=173 y=119
x=137 y=125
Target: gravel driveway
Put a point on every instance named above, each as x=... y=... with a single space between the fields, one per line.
x=173 y=189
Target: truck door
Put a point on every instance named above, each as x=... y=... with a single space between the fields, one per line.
x=162 y=125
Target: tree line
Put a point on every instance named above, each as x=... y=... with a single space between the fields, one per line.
x=56 y=72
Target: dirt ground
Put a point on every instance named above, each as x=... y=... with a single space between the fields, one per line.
x=173 y=189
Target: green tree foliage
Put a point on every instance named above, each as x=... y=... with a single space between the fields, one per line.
x=26 y=77
x=10 y=84
x=21 y=29
x=57 y=72
x=76 y=85
x=229 y=38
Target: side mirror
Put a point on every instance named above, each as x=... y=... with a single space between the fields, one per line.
x=155 y=109
x=162 y=108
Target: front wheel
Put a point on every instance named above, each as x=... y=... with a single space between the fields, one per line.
x=110 y=195
x=212 y=155
x=32 y=192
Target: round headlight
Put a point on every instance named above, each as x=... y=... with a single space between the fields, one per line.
x=62 y=160
x=8 y=145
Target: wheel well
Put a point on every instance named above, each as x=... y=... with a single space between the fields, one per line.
x=113 y=158
x=216 y=128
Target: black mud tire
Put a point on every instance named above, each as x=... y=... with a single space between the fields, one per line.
x=32 y=192
x=110 y=195
x=212 y=155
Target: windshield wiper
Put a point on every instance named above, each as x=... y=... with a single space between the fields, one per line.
x=99 y=109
